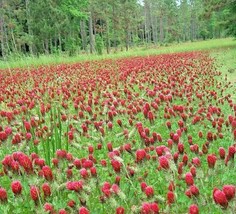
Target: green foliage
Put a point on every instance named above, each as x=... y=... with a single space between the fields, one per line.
x=74 y=8
x=53 y=26
x=41 y=26
x=222 y=14
x=71 y=45
x=99 y=44
x=231 y=24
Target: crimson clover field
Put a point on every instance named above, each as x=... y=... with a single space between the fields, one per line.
x=142 y=135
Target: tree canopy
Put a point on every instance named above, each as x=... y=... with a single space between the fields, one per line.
x=74 y=26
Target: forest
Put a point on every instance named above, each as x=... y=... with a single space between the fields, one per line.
x=96 y=26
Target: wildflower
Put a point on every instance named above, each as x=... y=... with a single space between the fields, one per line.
x=3 y=195
x=149 y=191
x=222 y=153
x=189 y=179
x=193 y=209
x=47 y=172
x=120 y=210
x=164 y=163
x=211 y=160
x=140 y=155
x=46 y=190
x=83 y=210
x=16 y=187
x=170 y=197
x=229 y=191
x=116 y=165
x=220 y=198
x=48 y=208
x=34 y=193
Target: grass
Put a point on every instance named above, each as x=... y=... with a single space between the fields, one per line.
x=226 y=63
x=226 y=60
x=131 y=196
x=27 y=61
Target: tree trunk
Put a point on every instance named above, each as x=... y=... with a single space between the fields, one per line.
x=2 y=36
x=127 y=40
x=184 y=32
x=192 y=28
x=161 y=29
x=108 y=42
x=55 y=41
x=8 y=50
x=83 y=35
x=114 y=24
x=146 y=32
x=46 y=46
x=51 y=46
x=28 y=25
x=147 y=21
x=143 y=34
x=14 y=42
x=91 y=36
x=154 y=29
x=59 y=41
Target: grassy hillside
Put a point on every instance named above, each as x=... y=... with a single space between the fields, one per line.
x=226 y=60
x=225 y=44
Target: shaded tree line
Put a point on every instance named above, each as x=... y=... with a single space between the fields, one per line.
x=75 y=26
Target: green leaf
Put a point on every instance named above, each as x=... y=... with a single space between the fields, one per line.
x=72 y=197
